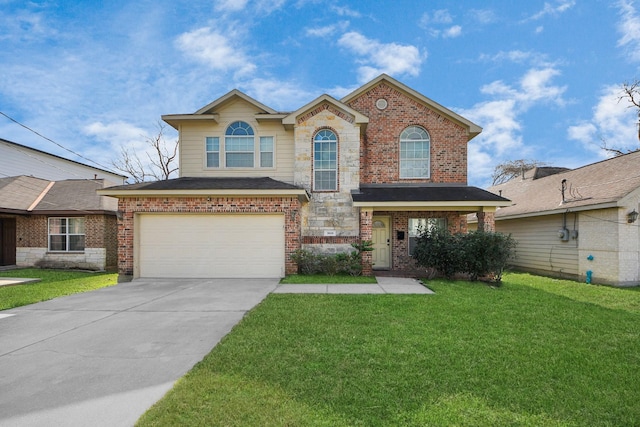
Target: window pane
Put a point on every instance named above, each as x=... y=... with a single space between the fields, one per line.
x=239 y=144
x=239 y=128
x=76 y=225
x=266 y=160
x=418 y=225
x=325 y=180
x=57 y=243
x=239 y=160
x=266 y=151
x=57 y=225
x=76 y=243
x=213 y=143
x=213 y=160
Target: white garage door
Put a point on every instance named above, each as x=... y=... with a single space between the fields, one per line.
x=201 y=246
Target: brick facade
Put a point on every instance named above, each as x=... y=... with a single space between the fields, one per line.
x=289 y=206
x=380 y=146
x=100 y=252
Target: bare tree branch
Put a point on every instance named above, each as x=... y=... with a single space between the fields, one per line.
x=161 y=159
x=513 y=168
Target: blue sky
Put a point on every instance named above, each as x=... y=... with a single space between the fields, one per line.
x=542 y=78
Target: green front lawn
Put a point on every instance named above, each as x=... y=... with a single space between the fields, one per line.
x=54 y=283
x=533 y=352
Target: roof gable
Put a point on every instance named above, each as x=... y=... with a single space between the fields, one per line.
x=471 y=127
x=212 y=107
x=325 y=102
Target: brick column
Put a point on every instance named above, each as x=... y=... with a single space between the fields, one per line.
x=366 y=233
x=125 y=241
x=486 y=221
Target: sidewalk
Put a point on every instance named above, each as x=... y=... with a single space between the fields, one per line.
x=385 y=285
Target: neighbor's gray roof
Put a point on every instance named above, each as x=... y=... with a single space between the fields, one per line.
x=209 y=183
x=27 y=194
x=600 y=183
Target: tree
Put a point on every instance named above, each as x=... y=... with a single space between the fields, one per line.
x=161 y=159
x=512 y=168
x=630 y=93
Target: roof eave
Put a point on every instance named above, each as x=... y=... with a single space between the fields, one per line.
x=174 y=120
x=559 y=211
x=301 y=194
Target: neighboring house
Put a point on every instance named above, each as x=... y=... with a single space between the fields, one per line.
x=576 y=223
x=256 y=184
x=58 y=224
x=17 y=159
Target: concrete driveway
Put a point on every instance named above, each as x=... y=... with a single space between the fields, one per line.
x=102 y=358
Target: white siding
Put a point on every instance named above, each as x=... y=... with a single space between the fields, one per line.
x=16 y=160
x=193 y=136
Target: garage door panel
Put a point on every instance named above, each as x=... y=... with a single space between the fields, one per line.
x=186 y=245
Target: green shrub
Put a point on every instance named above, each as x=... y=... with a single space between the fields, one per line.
x=332 y=264
x=479 y=254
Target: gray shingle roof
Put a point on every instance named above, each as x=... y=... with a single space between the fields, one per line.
x=424 y=193
x=18 y=194
x=210 y=183
x=599 y=183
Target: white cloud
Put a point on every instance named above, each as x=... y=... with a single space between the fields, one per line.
x=377 y=57
x=345 y=11
x=451 y=32
x=560 y=6
x=613 y=124
x=230 y=5
x=629 y=27
x=483 y=16
x=327 y=30
x=279 y=95
x=215 y=49
x=501 y=116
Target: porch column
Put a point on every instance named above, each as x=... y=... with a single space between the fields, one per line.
x=366 y=233
x=486 y=221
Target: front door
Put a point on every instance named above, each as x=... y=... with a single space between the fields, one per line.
x=7 y=241
x=381 y=235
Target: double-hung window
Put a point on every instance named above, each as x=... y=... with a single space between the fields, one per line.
x=417 y=226
x=66 y=234
x=239 y=145
x=213 y=151
x=415 y=145
x=240 y=148
x=325 y=161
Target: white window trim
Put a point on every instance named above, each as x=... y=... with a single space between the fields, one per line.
x=67 y=235
x=428 y=174
x=313 y=160
x=222 y=153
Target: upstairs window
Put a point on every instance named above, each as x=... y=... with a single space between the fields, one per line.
x=325 y=161
x=239 y=145
x=213 y=151
x=415 y=145
x=266 y=151
x=66 y=234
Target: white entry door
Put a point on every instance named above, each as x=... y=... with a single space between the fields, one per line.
x=381 y=235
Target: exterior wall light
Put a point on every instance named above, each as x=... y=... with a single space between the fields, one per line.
x=632 y=216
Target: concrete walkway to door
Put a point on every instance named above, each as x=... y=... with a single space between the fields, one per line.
x=102 y=358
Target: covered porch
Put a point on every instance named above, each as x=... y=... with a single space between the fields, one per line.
x=392 y=215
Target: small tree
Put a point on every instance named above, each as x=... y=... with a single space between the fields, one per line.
x=513 y=168
x=161 y=159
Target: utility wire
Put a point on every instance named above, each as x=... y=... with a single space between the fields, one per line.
x=51 y=140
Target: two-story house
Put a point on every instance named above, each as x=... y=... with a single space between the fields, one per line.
x=256 y=184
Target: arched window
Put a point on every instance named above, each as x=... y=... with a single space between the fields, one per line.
x=415 y=146
x=325 y=161
x=239 y=145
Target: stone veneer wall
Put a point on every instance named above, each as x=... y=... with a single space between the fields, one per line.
x=130 y=206
x=328 y=212
x=381 y=144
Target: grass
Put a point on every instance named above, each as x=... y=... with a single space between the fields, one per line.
x=322 y=279
x=54 y=283
x=533 y=352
